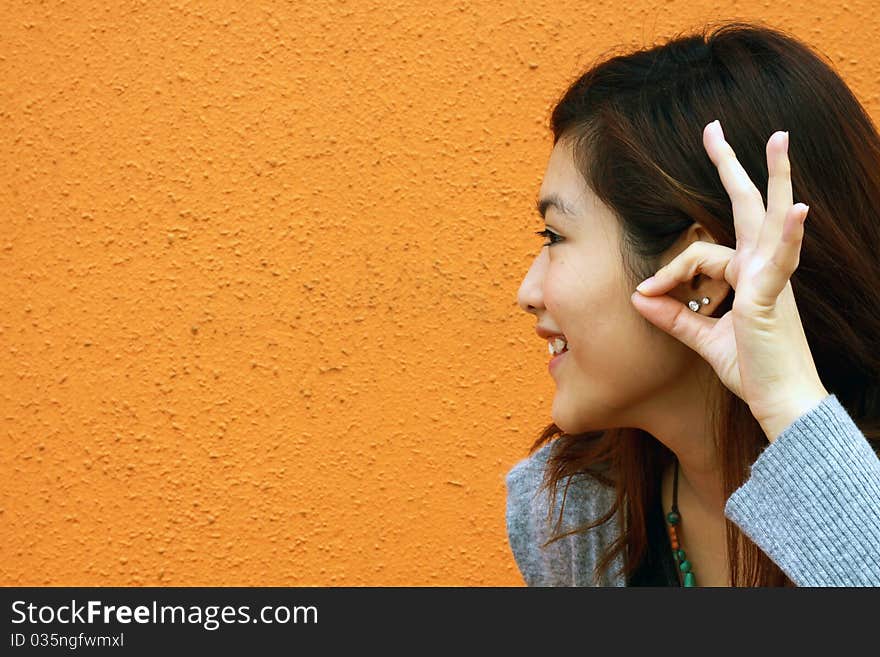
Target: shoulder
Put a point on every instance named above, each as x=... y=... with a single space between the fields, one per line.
x=570 y=560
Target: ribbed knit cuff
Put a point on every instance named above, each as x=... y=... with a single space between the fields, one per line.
x=812 y=502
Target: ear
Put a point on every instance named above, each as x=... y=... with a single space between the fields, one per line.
x=700 y=285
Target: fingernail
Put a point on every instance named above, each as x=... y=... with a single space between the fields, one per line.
x=645 y=284
x=804 y=217
x=785 y=141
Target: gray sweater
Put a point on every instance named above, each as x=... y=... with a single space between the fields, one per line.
x=811 y=503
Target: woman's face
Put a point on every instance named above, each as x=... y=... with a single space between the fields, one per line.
x=619 y=369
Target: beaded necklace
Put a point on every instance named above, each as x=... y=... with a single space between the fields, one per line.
x=673 y=518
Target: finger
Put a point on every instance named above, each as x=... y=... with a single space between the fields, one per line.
x=785 y=259
x=748 y=204
x=779 y=194
x=698 y=258
x=677 y=319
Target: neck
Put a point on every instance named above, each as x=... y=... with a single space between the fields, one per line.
x=700 y=483
x=689 y=433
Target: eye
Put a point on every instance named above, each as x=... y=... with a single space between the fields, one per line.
x=549 y=234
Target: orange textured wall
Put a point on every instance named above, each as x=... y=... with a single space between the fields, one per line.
x=260 y=265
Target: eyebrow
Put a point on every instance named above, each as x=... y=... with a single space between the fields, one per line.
x=553 y=200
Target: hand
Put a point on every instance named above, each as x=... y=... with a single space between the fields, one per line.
x=758 y=349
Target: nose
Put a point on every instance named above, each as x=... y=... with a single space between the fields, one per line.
x=530 y=297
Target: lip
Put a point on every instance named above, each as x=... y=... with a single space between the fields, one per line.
x=547 y=334
x=554 y=362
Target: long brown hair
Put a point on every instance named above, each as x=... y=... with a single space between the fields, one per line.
x=636 y=123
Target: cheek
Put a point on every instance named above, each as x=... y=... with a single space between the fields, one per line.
x=607 y=338
x=577 y=302
x=556 y=296
x=602 y=338
x=593 y=309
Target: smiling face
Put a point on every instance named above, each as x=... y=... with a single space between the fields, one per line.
x=619 y=369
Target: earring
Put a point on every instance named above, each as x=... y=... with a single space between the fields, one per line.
x=694 y=305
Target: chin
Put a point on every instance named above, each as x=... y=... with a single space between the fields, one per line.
x=582 y=421
x=565 y=423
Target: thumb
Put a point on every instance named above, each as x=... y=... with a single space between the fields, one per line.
x=675 y=318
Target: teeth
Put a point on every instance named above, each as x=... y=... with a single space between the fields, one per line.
x=556 y=346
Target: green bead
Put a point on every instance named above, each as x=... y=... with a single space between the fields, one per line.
x=680 y=555
x=685 y=566
x=673 y=518
x=689 y=580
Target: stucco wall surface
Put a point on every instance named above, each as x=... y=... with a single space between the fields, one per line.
x=260 y=264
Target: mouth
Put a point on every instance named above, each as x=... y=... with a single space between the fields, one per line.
x=558 y=357
x=556 y=361
x=557 y=345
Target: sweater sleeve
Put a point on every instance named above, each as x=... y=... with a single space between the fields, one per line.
x=812 y=501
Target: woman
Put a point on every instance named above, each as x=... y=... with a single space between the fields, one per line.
x=707 y=430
